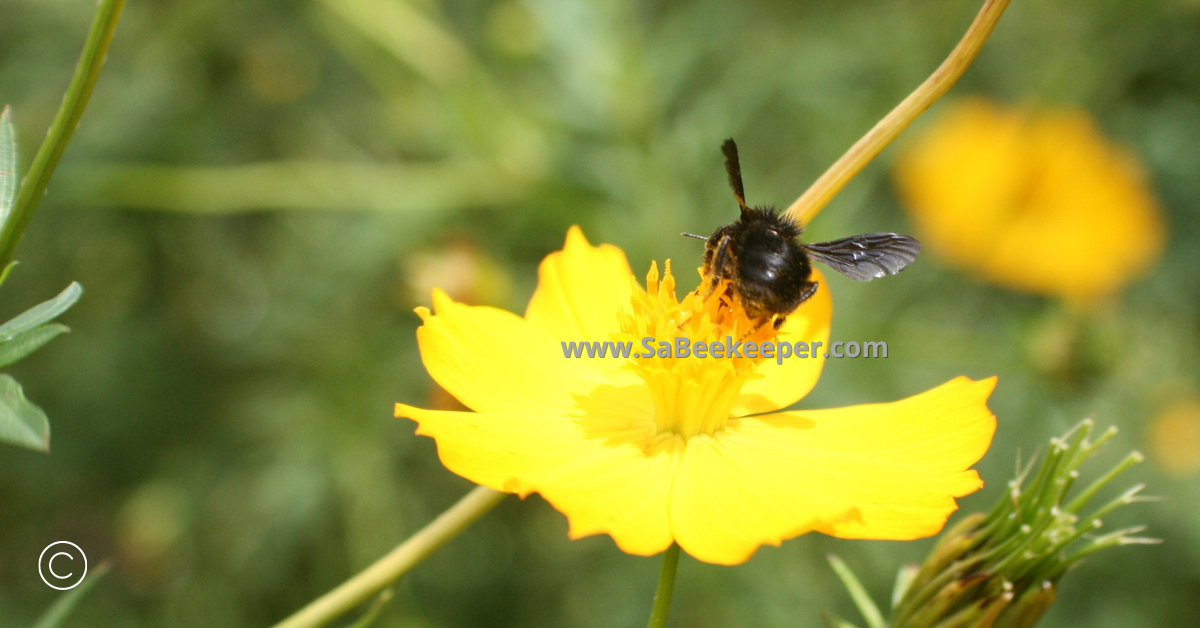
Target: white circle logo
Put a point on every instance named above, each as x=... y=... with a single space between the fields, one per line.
x=66 y=566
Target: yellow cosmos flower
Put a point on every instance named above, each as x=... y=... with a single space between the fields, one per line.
x=1038 y=201
x=653 y=450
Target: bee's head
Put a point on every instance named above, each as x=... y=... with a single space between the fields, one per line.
x=770 y=222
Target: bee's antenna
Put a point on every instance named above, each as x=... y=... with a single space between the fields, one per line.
x=692 y=235
x=734 y=168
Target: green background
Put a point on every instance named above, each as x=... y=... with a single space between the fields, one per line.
x=249 y=190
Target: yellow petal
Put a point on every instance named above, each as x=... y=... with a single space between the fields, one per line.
x=594 y=469
x=495 y=361
x=785 y=381
x=882 y=471
x=580 y=291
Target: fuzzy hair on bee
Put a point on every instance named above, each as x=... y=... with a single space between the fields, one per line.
x=768 y=268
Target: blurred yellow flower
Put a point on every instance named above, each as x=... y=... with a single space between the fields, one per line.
x=461 y=269
x=1174 y=438
x=1035 y=200
x=693 y=450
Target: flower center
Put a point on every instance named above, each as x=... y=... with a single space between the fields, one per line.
x=692 y=394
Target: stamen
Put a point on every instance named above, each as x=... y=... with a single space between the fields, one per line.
x=692 y=395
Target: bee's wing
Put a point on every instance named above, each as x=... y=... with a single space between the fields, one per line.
x=868 y=256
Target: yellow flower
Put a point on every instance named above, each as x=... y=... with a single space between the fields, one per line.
x=1037 y=201
x=1174 y=438
x=651 y=450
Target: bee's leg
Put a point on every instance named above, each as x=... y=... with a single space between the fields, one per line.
x=757 y=326
x=810 y=288
x=718 y=266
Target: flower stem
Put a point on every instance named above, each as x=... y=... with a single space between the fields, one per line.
x=104 y=22
x=396 y=563
x=666 y=586
x=871 y=144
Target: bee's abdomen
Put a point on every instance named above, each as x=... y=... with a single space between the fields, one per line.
x=762 y=266
x=771 y=279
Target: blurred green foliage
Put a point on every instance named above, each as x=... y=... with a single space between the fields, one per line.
x=254 y=181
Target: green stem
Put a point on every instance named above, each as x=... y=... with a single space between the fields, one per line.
x=396 y=563
x=104 y=22
x=857 y=591
x=666 y=585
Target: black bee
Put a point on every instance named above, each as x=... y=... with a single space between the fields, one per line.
x=768 y=268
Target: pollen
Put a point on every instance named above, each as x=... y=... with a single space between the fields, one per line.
x=692 y=394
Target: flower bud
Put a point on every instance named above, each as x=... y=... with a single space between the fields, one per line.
x=1000 y=569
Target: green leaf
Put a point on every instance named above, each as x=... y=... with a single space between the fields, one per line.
x=21 y=422
x=62 y=607
x=8 y=163
x=41 y=313
x=861 y=598
x=6 y=271
x=21 y=345
x=904 y=579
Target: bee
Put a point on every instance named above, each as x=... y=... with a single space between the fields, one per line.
x=770 y=270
